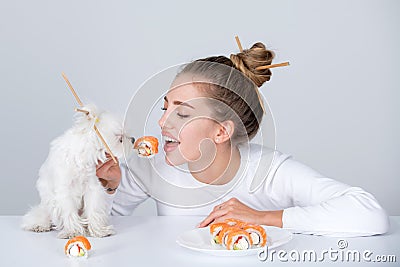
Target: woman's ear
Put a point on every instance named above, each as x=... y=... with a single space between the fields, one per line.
x=224 y=132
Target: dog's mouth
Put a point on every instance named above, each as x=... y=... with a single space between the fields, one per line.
x=126 y=143
x=130 y=138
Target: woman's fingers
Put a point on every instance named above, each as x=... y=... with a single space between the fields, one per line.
x=101 y=164
x=213 y=216
x=103 y=169
x=103 y=182
x=224 y=210
x=232 y=208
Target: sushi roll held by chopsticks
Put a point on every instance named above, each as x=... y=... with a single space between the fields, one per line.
x=77 y=247
x=146 y=146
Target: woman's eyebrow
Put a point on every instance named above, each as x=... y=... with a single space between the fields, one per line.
x=176 y=102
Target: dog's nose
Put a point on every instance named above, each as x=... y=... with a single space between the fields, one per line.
x=132 y=140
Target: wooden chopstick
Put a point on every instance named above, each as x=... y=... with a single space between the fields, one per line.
x=273 y=66
x=82 y=110
x=72 y=90
x=238 y=43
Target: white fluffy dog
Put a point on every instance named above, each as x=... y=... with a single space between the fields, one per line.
x=72 y=198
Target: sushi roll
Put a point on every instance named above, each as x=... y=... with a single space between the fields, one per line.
x=77 y=247
x=146 y=146
x=238 y=239
x=223 y=234
x=215 y=229
x=257 y=234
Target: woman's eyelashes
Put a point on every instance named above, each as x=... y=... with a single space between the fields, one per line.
x=180 y=114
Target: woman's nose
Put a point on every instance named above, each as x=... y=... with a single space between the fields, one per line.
x=161 y=121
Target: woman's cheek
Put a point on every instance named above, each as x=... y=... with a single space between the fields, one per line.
x=190 y=144
x=195 y=139
x=190 y=150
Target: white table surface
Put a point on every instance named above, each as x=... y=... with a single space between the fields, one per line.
x=151 y=241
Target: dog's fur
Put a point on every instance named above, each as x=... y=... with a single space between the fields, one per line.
x=72 y=198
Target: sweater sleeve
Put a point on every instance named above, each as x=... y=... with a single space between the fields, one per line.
x=128 y=196
x=323 y=206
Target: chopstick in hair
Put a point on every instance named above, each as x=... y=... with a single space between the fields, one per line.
x=238 y=43
x=273 y=66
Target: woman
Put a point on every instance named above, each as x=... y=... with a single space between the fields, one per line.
x=211 y=112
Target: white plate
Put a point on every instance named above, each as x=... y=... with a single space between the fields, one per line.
x=200 y=240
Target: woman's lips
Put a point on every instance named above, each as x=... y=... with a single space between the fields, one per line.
x=170 y=146
x=170 y=143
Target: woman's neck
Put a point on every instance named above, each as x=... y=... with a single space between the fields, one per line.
x=222 y=169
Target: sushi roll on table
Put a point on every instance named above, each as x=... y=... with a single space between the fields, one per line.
x=238 y=239
x=215 y=229
x=77 y=247
x=238 y=235
x=146 y=146
x=223 y=234
x=257 y=234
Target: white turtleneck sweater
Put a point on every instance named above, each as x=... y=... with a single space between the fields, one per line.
x=311 y=202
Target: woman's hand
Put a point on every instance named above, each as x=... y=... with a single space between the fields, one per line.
x=235 y=209
x=109 y=174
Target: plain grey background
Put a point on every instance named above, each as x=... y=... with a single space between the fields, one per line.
x=336 y=107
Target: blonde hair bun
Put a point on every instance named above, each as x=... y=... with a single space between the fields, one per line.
x=249 y=59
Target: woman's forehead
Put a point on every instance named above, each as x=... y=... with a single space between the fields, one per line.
x=184 y=92
x=191 y=95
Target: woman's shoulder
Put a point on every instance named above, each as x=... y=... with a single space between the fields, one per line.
x=284 y=167
x=265 y=165
x=261 y=164
x=256 y=153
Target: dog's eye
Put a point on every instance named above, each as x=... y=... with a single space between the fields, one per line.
x=120 y=139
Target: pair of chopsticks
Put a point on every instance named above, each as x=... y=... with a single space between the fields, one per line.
x=87 y=113
x=261 y=67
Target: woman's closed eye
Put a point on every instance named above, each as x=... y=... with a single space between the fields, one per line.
x=182 y=112
x=182 y=115
x=178 y=113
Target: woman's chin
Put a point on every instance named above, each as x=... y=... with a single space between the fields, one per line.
x=168 y=162
x=173 y=162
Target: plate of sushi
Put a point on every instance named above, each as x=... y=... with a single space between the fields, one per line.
x=233 y=238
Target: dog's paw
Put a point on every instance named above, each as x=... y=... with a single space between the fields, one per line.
x=100 y=231
x=37 y=228
x=36 y=220
x=68 y=234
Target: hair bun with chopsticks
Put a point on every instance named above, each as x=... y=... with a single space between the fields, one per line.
x=250 y=60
